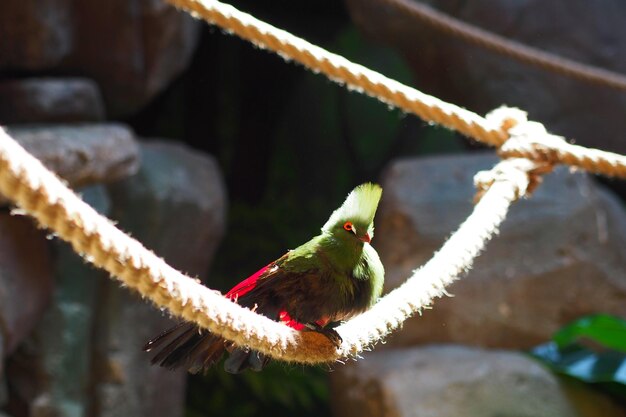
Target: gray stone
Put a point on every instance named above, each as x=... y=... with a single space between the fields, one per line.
x=132 y=49
x=560 y=254
x=451 y=381
x=54 y=367
x=34 y=34
x=177 y=196
x=64 y=336
x=151 y=43
x=84 y=154
x=25 y=278
x=42 y=407
x=481 y=80
x=175 y=205
x=4 y=392
x=50 y=100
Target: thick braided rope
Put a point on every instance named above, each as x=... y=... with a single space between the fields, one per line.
x=372 y=83
x=25 y=181
x=528 y=139
x=559 y=151
x=508 y=47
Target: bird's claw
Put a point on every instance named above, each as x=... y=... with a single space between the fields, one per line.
x=328 y=331
x=333 y=336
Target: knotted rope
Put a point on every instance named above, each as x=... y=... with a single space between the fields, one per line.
x=25 y=181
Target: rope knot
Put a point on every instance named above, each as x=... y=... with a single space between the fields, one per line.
x=524 y=138
x=527 y=149
x=524 y=174
x=503 y=119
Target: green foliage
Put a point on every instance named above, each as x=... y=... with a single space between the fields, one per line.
x=592 y=350
x=279 y=390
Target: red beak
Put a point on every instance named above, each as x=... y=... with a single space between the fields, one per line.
x=365 y=238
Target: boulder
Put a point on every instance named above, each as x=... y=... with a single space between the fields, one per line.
x=51 y=372
x=50 y=100
x=177 y=196
x=36 y=34
x=175 y=205
x=4 y=393
x=26 y=279
x=64 y=336
x=559 y=254
x=451 y=381
x=133 y=49
x=482 y=80
x=83 y=154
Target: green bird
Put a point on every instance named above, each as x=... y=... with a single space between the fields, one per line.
x=332 y=277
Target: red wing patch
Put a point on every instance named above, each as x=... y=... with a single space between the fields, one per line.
x=284 y=318
x=246 y=285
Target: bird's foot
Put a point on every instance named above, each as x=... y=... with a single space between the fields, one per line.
x=328 y=331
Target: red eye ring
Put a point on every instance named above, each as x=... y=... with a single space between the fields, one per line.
x=348 y=226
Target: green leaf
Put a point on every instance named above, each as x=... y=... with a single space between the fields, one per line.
x=606 y=330
x=591 y=349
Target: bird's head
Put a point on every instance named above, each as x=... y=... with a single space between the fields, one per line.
x=354 y=220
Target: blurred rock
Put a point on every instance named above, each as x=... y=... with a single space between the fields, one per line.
x=50 y=100
x=43 y=407
x=559 y=255
x=35 y=34
x=25 y=278
x=84 y=154
x=60 y=350
x=481 y=80
x=4 y=393
x=175 y=206
x=451 y=381
x=133 y=49
x=177 y=196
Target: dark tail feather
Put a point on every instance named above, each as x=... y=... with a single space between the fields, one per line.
x=152 y=343
x=185 y=345
x=241 y=359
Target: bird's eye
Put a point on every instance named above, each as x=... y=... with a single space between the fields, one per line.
x=348 y=226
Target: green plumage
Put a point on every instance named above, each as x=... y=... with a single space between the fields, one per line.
x=330 y=278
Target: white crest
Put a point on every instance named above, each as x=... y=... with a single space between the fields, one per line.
x=359 y=207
